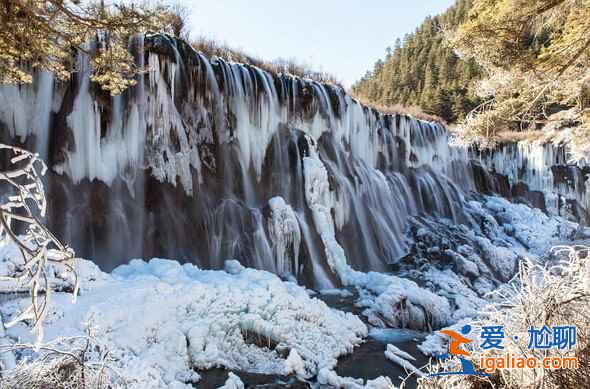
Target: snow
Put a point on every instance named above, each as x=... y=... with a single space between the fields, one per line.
x=294 y=363
x=391 y=349
x=379 y=383
x=233 y=382
x=330 y=378
x=466 y=302
x=336 y=292
x=403 y=359
x=161 y=320
x=463 y=264
x=529 y=226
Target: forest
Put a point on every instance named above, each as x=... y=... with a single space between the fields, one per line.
x=423 y=70
x=497 y=69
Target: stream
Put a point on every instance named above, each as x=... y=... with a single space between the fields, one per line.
x=368 y=360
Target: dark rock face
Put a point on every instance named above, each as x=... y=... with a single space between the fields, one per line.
x=490 y=182
x=186 y=165
x=537 y=174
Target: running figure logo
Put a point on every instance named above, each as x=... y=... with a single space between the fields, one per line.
x=456 y=341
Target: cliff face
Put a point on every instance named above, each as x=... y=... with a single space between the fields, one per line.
x=546 y=175
x=205 y=160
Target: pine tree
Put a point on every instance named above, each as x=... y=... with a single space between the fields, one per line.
x=421 y=68
x=42 y=34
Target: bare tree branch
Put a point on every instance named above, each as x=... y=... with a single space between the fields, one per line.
x=38 y=247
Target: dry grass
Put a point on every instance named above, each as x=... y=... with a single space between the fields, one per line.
x=210 y=47
x=399 y=109
x=558 y=294
x=520 y=136
x=65 y=363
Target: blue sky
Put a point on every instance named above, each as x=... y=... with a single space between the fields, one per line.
x=342 y=37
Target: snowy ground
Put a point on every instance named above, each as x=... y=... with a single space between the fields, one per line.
x=162 y=320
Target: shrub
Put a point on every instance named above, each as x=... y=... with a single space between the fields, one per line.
x=555 y=294
x=210 y=47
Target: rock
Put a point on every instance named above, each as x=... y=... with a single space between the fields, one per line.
x=233 y=266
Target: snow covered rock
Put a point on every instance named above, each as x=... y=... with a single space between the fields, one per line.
x=160 y=320
x=405 y=305
x=329 y=378
x=294 y=364
x=233 y=266
x=233 y=382
x=380 y=383
x=464 y=264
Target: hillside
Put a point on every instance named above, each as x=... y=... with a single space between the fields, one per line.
x=422 y=70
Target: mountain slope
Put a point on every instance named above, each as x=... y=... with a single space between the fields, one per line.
x=423 y=71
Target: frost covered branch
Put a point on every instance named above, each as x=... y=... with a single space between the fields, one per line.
x=20 y=208
x=555 y=294
x=551 y=295
x=77 y=362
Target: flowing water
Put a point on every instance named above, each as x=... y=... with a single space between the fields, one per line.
x=205 y=160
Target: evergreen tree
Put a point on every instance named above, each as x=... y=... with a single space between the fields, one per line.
x=423 y=70
x=43 y=34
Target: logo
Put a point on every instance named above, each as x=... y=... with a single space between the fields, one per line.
x=562 y=339
x=454 y=350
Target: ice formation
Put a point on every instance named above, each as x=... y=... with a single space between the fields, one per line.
x=285 y=236
x=547 y=168
x=403 y=359
x=233 y=382
x=332 y=380
x=227 y=166
x=161 y=320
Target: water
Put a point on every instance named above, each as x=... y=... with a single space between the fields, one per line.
x=367 y=360
x=543 y=167
x=183 y=166
x=215 y=378
x=190 y=164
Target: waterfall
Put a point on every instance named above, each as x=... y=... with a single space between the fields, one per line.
x=206 y=160
x=542 y=172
